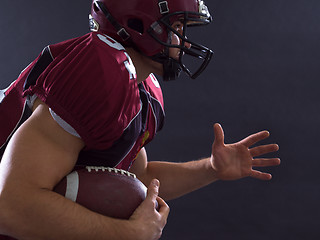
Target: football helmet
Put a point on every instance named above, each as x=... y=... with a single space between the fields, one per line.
x=147 y=26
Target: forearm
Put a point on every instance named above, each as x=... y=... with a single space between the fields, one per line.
x=28 y=172
x=29 y=209
x=178 y=179
x=42 y=214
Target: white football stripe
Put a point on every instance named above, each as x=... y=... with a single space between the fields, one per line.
x=72 y=186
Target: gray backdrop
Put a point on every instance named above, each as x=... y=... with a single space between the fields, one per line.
x=264 y=75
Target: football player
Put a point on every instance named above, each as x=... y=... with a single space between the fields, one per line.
x=94 y=100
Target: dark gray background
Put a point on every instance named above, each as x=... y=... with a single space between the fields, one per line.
x=264 y=75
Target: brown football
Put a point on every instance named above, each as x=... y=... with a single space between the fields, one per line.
x=109 y=191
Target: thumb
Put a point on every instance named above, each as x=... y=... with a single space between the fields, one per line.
x=218 y=134
x=153 y=192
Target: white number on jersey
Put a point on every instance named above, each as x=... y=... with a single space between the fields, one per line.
x=114 y=44
x=111 y=42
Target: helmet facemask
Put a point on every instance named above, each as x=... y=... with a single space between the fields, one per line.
x=188 y=49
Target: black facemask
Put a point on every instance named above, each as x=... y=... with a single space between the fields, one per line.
x=172 y=68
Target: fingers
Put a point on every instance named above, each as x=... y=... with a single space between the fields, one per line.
x=153 y=192
x=260 y=175
x=265 y=162
x=163 y=208
x=158 y=203
x=146 y=220
x=218 y=134
x=254 y=138
x=260 y=150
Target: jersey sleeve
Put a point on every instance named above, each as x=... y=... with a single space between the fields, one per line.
x=89 y=86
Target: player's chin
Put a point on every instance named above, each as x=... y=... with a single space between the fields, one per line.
x=156 y=68
x=158 y=72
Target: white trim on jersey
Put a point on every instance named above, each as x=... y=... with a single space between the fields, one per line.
x=2 y=95
x=3 y=91
x=66 y=126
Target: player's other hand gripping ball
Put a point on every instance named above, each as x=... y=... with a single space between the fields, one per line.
x=108 y=191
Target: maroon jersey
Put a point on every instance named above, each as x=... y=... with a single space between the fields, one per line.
x=90 y=82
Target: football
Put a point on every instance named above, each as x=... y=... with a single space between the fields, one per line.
x=109 y=191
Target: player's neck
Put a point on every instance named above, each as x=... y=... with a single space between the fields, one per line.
x=144 y=65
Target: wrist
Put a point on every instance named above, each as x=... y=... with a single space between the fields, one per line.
x=212 y=170
x=123 y=229
x=130 y=230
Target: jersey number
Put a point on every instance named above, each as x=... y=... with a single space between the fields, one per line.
x=114 y=44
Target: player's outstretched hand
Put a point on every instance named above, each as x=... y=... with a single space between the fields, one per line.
x=235 y=161
x=147 y=220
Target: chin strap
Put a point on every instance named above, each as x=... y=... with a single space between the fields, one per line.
x=171 y=69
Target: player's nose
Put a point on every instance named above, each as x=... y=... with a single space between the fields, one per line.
x=187 y=45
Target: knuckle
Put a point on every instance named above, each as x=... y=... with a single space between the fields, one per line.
x=168 y=209
x=159 y=234
x=165 y=221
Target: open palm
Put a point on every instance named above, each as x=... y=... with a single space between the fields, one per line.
x=235 y=161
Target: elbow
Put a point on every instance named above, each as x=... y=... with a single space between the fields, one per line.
x=4 y=214
x=8 y=214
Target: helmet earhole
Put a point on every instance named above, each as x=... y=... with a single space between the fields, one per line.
x=136 y=24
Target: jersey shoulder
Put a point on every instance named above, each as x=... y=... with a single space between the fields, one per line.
x=152 y=85
x=91 y=85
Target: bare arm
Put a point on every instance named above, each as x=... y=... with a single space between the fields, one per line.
x=227 y=162
x=176 y=179
x=38 y=156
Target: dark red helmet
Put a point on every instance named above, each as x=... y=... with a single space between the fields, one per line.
x=146 y=25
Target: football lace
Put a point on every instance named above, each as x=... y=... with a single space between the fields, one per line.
x=115 y=170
